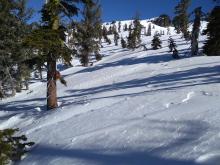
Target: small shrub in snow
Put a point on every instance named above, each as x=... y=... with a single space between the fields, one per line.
x=172 y=45
x=156 y=42
x=12 y=147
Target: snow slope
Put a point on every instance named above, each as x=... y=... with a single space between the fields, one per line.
x=132 y=108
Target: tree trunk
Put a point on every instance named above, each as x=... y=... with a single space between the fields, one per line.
x=40 y=72
x=51 y=72
x=1 y=91
x=194 y=45
x=51 y=82
x=195 y=32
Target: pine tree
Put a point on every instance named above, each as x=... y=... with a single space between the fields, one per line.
x=176 y=23
x=12 y=147
x=130 y=27
x=50 y=39
x=134 y=37
x=116 y=38
x=149 y=30
x=119 y=27
x=105 y=35
x=114 y=29
x=137 y=29
x=181 y=19
x=156 y=42
x=13 y=29
x=88 y=34
x=163 y=20
x=131 y=40
x=175 y=54
x=212 y=45
x=8 y=38
x=126 y=27
x=195 y=31
x=123 y=43
x=23 y=29
x=110 y=31
x=171 y=44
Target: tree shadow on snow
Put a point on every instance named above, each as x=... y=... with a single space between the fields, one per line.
x=169 y=81
x=28 y=107
x=130 y=61
x=189 y=133
x=97 y=157
x=161 y=82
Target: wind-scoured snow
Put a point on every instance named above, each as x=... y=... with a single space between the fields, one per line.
x=132 y=108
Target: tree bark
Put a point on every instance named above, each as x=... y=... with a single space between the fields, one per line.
x=51 y=82
x=195 y=32
x=51 y=71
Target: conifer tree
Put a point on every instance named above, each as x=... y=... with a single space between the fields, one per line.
x=123 y=43
x=13 y=28
x=114 y=28
x=163 y=20
x=110 y=31
x=212 y=45
x=181 y=19
x=104 y=31
x=176 y=23
x=171 y=44
x=50 y=39
x=12 y=147
x=119 y=27
x=105 y=35
x=175 y=54
x=156 y=42
x=126 y=27
x=195 y=31
x=116 y=38
x=137 y=29
x=131 y=41
x=130 y=27
x=88 y=33
x=149 y=30
x=134 y=37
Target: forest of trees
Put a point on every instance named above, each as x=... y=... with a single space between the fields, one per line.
x=35 y=47
x=27 y=48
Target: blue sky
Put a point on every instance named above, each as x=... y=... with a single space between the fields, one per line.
x=126 y=9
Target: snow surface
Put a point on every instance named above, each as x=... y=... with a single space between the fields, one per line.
x=132 y=108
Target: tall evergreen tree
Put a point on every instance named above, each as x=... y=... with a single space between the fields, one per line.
x=156 y=42
x=134 y=38
x=119 y=27
x=105 y=35
x=116 y=38
x=123 y=43
x=163 y=20
x=126 y=27
x=13 y=28
x=88 y=33
x=50 y=39
x=212 y=45
x=176 y=23
x=195 y=31
x=181 y=19
x=149 y=30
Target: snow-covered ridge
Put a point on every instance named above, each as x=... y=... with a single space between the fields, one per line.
x=154 y=28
